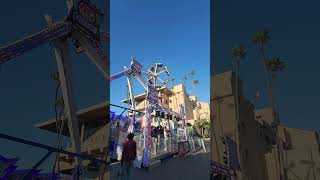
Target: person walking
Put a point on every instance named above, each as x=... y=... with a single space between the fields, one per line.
x=129 y=154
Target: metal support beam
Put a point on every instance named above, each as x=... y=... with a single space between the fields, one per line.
x=64 y=68
x=95 y=54
x=125 y=108
x=132 y=100
x=141 y=81
x=24 y=45
x=120 y=74
x=49 y=148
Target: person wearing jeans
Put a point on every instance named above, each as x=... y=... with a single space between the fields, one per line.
x=129 y=154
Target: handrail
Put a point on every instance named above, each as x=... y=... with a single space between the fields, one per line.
x=49 y=148
x=125 y=108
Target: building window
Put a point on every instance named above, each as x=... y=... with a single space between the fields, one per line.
x=166 y=101
x=170 y=101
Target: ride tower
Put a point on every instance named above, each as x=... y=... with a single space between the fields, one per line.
x=81 y=26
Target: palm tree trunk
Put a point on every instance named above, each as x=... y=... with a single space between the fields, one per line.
x=277 y=121
x=274 y=115
x=261 y=48
x=236 y=133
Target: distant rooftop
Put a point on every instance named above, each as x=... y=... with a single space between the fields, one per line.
x=93 y=114
x=142 y=96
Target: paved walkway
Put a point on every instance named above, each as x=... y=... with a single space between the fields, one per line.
x=193 y=167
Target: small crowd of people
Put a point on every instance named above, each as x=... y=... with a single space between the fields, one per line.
x=159 y=132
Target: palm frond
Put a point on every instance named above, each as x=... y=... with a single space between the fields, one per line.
x=192 y=73
x=262 y=37
x=239 y=52
x=275 y=64
x=184 y=78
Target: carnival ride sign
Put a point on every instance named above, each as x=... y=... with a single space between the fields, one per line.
x=136 y=67
x=146 y=154
x=84 y=17
x=87 y=19
x=152 y=95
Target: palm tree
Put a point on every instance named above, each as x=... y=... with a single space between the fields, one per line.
x=261 y=39
x=184 y=79
x=172 y=79
x=202 y=128
x=191 y=73
x=274 y=65
x=239 y=53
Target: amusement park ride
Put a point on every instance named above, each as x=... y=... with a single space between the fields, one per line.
x=82 y=26
x=152 y=87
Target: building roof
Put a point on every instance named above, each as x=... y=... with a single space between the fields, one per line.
x=95 y=113
x=142 y=96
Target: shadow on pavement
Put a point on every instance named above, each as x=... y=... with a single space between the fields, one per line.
x=195 y=166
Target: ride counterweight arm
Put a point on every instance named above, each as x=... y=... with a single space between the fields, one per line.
x=20 y=47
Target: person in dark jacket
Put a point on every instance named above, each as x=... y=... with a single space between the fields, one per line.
x=129 y=154
x=161 y=132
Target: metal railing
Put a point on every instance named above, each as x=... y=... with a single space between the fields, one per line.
x=50 y=151
x=159 y=146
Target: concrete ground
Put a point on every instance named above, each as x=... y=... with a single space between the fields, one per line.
x=195 y=166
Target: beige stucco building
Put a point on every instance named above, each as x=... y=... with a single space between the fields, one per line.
x=256 y=139
x=94 y=130
x=172 y=98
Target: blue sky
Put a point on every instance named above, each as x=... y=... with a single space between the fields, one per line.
x=175 y=33
x=294 y=30
x=27 y=92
